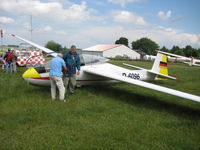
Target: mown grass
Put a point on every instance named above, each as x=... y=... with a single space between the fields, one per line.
x=119 y=116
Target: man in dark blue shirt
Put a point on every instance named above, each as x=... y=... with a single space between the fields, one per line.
x=72 y=61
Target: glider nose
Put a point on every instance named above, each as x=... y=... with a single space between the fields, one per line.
x=31 y=73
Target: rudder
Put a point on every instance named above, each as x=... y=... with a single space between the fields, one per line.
x=160 y=65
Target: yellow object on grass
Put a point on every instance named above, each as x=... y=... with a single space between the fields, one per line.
x=31 y=73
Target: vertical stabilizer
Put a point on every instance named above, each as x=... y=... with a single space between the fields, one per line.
x=160 y=65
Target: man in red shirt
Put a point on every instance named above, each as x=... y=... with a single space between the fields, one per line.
x=8 y=58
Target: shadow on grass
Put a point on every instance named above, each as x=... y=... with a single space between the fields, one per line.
x=136 y=99
x=146 y=101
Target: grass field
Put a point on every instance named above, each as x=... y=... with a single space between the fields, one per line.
x=114 y=117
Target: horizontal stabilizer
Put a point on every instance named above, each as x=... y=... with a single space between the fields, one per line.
x=174 y=55
x=136 y=67
x=153 y=72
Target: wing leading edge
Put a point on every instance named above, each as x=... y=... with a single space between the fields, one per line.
x=100 y=70
x=46 y=50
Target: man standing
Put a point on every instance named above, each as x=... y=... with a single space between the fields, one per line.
x=14 y=61
x=2 y=62
x=56 y=67
x=8 y=59
x=72 y=61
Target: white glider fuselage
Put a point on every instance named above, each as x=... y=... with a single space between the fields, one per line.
x=85 y=78
x=190 y=61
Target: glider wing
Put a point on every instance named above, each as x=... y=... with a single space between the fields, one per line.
x=100 y=70
x=46 y=50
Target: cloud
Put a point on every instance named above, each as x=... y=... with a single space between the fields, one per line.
x=127 y=17
x=183 y=39
x=105 y=34
x=122 y=3
x=169 y=37
x=164 y=15
x=177 y=19
x=47 y=28
x=161 y=35
x=6 y=20
x=61 y=32
x=52 y=20
x=27 y=25
x=75 y=13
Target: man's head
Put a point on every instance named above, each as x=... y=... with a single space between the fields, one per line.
x=60 y=55
x=73 y=49
x=9 y=50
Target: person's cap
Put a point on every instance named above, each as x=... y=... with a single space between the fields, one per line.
x=73 y=46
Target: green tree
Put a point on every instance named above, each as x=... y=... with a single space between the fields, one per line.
x=195 y=53
x=198 y=51
x=164 y=49
x=146 y=45
x=122 y=40
x=188 y=51
x=54 y=46
x=177 y=50
x=65 y=49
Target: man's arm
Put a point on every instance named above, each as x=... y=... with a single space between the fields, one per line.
x=78 y=64
x=15 y=54
x=64 y=69
x=5 y=56
x=64 y=66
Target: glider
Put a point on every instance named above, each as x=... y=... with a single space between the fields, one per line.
x=191 y=61
x=96 y=70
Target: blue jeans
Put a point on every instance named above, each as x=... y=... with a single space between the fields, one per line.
x=9 y=65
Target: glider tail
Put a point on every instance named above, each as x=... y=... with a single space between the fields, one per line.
x=159 y=70
x=160 y=66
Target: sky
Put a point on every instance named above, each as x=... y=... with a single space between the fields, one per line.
x=85 y=23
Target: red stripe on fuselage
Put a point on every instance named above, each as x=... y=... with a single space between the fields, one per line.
x=92 y=80
x=47 y=78
x=42 y=78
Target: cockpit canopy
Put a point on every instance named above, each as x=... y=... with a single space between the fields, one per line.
x=90 y=59
x=87 y=59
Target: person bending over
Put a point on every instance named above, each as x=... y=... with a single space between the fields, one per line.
x=56 y=66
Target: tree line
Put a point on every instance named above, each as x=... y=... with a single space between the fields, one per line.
x=56 y=47
x=149 y=47
x=144 y=44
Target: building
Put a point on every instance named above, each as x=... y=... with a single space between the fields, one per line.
x=111 y=51
x=142 y=54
